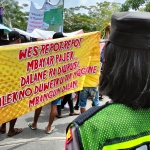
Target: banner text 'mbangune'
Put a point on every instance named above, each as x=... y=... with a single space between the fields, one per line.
x=34 y=74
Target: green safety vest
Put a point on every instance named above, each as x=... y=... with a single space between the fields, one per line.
x=112 y=127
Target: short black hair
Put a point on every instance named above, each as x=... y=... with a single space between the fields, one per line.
x=14 y=35
x=1 y=33
x=24 y=39
x=126 y=75
x=58 y=35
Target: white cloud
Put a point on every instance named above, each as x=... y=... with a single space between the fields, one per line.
x=88 y=2
x=24 y=2
x=21 y=2
x=74 y=3
x=68 y=3
x=54 y=2
x=37 y=5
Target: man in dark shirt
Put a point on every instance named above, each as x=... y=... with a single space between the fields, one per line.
x=3 y=41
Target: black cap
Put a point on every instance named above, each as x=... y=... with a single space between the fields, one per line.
x=58 y=35
x=131 y=29
x=14 y=35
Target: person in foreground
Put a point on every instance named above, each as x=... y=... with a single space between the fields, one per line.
x=123 y=123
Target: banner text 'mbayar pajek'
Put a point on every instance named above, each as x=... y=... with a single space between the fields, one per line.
x=34 y=74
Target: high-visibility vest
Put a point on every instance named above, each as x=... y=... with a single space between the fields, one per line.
x=110 y=127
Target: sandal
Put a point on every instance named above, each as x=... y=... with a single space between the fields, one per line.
x=73 y=114
x=17 y=131
x=51 y=130
x=30 y=126
x=57 y=116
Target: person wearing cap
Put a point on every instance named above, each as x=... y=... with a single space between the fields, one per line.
x=124 y=123
x=14 y=38
x=68 y=97
x=58 y=35
x=83 y=95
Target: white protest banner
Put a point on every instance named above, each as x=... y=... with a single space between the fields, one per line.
x=35 y=18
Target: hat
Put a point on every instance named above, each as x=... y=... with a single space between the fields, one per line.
x=14 y=35
x=58 y=35
x=131 y=29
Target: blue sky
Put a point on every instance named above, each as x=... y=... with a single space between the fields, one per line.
x=68 y=3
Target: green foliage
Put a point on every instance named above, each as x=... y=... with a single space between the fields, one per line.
x=95 y=18
x=73 y=21
x=147 y=8
x=143 y=5
x=13 y=13
x=102 y=14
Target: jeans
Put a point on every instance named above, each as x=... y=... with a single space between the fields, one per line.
x=56 y=102
x=89 y=91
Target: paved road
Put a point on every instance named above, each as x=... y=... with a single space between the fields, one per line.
x=37 y=139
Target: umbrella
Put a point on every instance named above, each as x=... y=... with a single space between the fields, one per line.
x=5 y=28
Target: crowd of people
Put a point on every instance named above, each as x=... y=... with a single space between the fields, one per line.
x=57 y=105
x=122 y=123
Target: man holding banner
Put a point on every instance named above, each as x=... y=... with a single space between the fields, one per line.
x=35 y=74
x=14 y=38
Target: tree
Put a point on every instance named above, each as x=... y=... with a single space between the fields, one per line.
x=136 y=5
x=75 y=21
x=101 y=14
x=14 y=14
x=94 y=18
